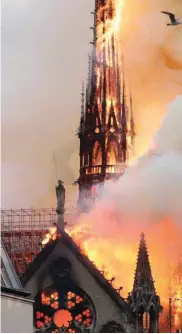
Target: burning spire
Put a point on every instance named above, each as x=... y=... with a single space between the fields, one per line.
x=104 y=149
x=82 y=118
x=132 y=123
x=124 y=121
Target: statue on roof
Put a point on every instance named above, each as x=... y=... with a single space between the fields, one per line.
x=60 y=193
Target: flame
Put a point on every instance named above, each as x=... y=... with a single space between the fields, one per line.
x=120 y=261
x=107 y=71
x=112 y=24
x=51 y=235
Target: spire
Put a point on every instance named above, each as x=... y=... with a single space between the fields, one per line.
x=118 y=87
x=104 y=102
x=132 y=123
x=89 y=78
x=82 y=118
x=143 y=275
x=143 y=300
x=105 y=123
x=124 y=120
x=123 y=117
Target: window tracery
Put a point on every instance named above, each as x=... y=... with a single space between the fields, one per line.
x=63 y=308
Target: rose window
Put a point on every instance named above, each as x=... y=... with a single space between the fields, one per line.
x=63 y=309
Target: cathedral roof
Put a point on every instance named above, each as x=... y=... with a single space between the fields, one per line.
x=91 y=268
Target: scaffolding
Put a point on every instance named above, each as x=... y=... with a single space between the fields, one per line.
x=22 y=231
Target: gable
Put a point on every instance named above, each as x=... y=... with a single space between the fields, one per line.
x=107 y=304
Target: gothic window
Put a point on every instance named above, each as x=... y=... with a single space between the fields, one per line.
x=145 y=320
x=112 y=327
x=112 y=153
x=97 y=154
x=63 y=307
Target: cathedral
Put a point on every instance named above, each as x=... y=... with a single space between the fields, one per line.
x=70 y=294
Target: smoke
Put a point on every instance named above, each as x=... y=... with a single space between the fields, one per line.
x=44 y=60
x=153 y=53
x=151 y=188
x=147 y=198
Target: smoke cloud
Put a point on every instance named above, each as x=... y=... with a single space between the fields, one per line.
x=153 y=53
x=147 y=198
x=44 y=60
x=153 y=184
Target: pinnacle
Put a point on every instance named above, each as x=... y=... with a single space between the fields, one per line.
x=143 y=274
x=142 y=235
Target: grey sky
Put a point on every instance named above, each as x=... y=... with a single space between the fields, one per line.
x=45 y=44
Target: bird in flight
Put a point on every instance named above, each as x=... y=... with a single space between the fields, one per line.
x=174 y=21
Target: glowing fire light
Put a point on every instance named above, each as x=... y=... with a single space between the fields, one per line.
x=119 y=261
x=112 y=24
x=107 y=70
x=116 y=256
x=52 y=235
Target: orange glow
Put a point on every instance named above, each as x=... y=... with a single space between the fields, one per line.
x=176 y=293
x=52 y=235
x=45 y=299
x=108 y=76
x=62 y=318
x=54 y=305
x=120 y=261
x=112 y=24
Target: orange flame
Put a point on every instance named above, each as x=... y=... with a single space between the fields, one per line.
x=115 y=253
x=52 y=235
x=107 y=28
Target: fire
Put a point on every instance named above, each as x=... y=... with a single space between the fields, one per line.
x=51 y=235
x=107 y=67
x=112 y=24
x=113 y=248
x=114 y=253
x=108 y=21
